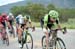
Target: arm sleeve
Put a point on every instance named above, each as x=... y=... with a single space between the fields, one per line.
x=57 y=21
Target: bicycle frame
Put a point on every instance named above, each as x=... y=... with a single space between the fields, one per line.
x=53 y=34
x=54 y=37
x=26 y=33
x=24 y=40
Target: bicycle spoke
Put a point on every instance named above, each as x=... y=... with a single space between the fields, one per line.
x=60 y=44
x=57 y=45
x=29 y=42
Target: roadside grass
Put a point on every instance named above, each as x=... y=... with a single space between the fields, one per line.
x=68 y=25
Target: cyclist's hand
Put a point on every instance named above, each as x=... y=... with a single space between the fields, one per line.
x=64 y=30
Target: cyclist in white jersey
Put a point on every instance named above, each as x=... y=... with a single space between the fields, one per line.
x=23 y=21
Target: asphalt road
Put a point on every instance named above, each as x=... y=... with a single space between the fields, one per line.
x=68 y=38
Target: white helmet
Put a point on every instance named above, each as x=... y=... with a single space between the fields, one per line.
x=10 y=14
x=20 y=15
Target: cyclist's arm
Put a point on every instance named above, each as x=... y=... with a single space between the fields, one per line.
x=58 y=23
x=30 y=23
x=6 y=21
x=16 y=20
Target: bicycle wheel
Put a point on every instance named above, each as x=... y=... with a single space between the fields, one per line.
x=60 y=44
x=7 y=41
x=43 y=42
x=29 y=41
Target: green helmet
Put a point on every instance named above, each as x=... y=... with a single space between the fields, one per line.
x=53 y=14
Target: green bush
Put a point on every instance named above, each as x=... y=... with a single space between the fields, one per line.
x=36 y=11
x=71 y=21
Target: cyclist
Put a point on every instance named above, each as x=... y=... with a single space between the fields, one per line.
x=23 y=21
x=18 y=28
x=50 y=21
x=10 y=19
x=3 y=20
x=10 y=22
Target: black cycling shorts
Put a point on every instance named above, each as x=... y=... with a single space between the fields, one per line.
x=4 y=24
x=50 y=25
x=11 y=22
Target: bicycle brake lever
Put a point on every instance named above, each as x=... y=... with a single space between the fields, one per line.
x=64 y=30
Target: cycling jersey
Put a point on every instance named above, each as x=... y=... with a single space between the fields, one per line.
x=3 y=20
x=49 y=23
x=22 y=20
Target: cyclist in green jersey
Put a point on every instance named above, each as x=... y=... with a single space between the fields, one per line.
x=50 y=21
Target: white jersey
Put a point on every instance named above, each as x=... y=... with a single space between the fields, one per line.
x=21 y=20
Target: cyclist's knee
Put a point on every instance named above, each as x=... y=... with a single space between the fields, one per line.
x=45 y=30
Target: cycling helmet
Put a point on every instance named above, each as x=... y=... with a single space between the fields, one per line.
x=10 y=14
x=4 y=15
x=20 y=16
x=53 y=14
x=27 y=17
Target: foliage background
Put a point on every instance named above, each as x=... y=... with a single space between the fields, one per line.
x=36 y=11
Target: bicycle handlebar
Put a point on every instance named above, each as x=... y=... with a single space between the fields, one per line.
x=64 y=30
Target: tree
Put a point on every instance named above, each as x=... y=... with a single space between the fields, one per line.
x=35 y=10
x=50 y=7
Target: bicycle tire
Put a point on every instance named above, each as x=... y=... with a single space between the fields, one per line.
x=63 y=44
x=7 y=41
x=28 y=34
x=42 y=42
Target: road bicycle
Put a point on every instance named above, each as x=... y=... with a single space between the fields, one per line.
x=27 y=39
x=54 y=41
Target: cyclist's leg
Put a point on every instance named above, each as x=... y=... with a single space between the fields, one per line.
x=4 y=27
x=17 y=25
x=19 y=39
x=12 y=28
x=46 y=33
x=1 y=28
x=4 y=34
x=19 y=36
x=47 y=41
x=9 y=27
x=10 y=24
